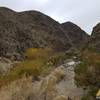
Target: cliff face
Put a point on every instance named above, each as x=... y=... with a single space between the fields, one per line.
x=76 y=34
x=19 y=31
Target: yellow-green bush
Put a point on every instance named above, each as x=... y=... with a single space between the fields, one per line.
x=38 y=53
x=34 y=63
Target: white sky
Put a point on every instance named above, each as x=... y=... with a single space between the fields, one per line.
x=84 y=13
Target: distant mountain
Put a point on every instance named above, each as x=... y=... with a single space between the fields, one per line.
x=76 y=34
x=22 y=30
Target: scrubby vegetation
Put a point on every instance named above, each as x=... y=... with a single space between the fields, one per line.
x=88 y=73
x=59 y=58
x=37 y=62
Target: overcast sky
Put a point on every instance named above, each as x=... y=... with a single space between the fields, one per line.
x=85 y=13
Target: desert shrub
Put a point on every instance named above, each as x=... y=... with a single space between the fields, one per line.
x=88 y=72
x=34 y=63
x=38 y=53
x=58 y=58
x=27 y=68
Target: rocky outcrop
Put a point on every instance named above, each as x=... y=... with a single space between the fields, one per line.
x=76 y=34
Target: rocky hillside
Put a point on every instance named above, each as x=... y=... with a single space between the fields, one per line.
x=19 y=31
x=22 y=30
x=76 y=34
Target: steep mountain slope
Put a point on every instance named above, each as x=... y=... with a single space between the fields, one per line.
x=94 y=42
x=77 y=35
x=19 y=31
